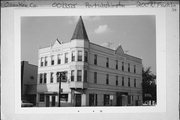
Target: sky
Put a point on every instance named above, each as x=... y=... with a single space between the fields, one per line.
x=136 y=34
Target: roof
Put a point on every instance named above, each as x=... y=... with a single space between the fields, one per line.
x=80 y=31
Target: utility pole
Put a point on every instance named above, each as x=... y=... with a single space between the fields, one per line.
x=59 y=76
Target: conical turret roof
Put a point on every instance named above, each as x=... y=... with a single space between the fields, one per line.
x=80 y=31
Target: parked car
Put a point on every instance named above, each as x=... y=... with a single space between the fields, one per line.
x=25 y=103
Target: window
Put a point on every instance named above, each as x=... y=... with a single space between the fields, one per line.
x=73 y=56
x=79 y=75
x=92 y=99
x=41 y=78
x=64 y=97
x=95 y=77
x=107 y=62
x=134 y=68
x=122 y=81
x=66 y=57
x=45 y=64
x=122 y=66
x=85 y=75
x=64 y=76
x=41 y=61
x=79 y=55
x=106 y=99
x=41 y=97
x=129 y=82
x=107 y=79
x=116 y=80
x=85 y=56
x=51 y=79
x=59 y=59
x=128 y=67
x=72 y=75
x=134 y=82
x=95 y=59
x=52 y=60
x=45 y=75
x=116 y=64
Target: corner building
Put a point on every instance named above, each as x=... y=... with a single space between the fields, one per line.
x=96 y=75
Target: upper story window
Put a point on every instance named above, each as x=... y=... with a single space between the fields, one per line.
x=51 y=77
x=52 y=60
x=45 y=61
x=128 y=67
x=95 y=59
x=134 y=68
x=79 y=55
x=122 y=66
x=66 y=58
x=116 y=64
x=116 y=80
x=41 y=61
x=129 y=84
x=107 y=79
x=45 y=77
x=72 y=75
x=62 y=76
x=79 y=75
x=41 y=78
x=59 y=58
x=122 y=81
x=85 y=56
x=107 y=62
x=95 y=77
x=134 y=82
x=85 y=76
x=73 y=56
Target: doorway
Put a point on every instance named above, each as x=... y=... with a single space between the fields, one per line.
x=77 y=99
x=121 y=98
x=47 y=100
x=53 y=101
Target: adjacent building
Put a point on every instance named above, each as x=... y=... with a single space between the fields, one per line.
x=28 y=82
x=95 y=75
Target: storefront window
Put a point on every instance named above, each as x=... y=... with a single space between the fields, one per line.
x=41 y=97
x=64 y=97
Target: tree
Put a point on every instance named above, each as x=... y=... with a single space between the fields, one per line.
x=148 y=85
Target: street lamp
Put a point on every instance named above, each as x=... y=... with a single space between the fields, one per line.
x=60 y=76
x=59 y=79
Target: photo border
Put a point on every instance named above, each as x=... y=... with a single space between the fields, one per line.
x=160 y=58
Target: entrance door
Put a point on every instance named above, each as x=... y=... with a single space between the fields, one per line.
x=119 y=100
x=47 y=100
x=78 y=99
x=106 y=100
x=53 y=101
